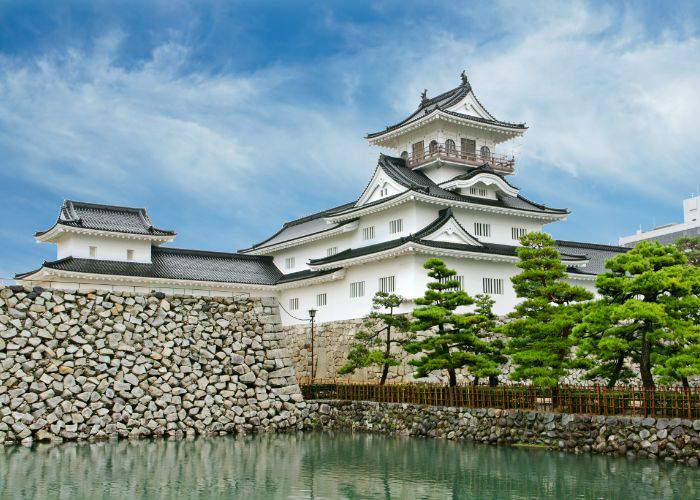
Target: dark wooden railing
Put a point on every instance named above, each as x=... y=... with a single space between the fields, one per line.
x=440 y=151
x=669 y=402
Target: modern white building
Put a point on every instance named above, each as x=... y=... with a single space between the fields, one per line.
x=669 y=233
x=443 y=192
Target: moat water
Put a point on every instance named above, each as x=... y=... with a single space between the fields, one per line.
x=322 y=465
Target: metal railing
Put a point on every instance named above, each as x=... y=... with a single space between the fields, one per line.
x=440 y=151
x=667 y=402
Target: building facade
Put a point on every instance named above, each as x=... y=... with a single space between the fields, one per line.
x=669 y=233
x=440 y=191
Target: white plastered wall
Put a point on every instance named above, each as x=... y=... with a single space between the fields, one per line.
x=78 y=245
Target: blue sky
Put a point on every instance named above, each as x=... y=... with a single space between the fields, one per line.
x=226 y=119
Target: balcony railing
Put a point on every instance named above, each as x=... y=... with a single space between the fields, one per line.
x=438 y=151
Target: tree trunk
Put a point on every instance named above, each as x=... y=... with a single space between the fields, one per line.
x=645 y=364
x=453 y=376
x=493 y=380
x=686 y=384
x=387 y=352
x=615 y=376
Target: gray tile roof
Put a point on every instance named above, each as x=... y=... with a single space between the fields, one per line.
x=444 y=101
x=596 y=253
x=107 y=218
x=181 y=264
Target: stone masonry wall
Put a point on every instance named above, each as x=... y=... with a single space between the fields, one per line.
x=95 y=365
x=673 y=440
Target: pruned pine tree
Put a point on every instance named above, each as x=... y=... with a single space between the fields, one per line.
x=383 y=328
x=452 y=340
x=648 y=315
x=540 y=341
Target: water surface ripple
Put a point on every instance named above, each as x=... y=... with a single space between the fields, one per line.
x=324 y=465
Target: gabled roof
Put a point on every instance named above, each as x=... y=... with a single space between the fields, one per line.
x=483 y=169
x=415 y=180
x=179 y=264
x=442 y=103
x=126 y=220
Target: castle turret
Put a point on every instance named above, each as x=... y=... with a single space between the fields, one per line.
x=450 y=134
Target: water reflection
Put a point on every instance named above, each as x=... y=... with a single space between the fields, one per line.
x=315 y=465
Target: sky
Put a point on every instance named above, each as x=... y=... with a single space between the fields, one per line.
x=226 y=119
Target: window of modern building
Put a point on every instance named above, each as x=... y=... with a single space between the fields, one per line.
x=294 y=304
x=93 y=251
x=493 y=286
x=321 y=299
x=368 y=233
x=289 y=263
x=357 y=289
x=482 y=229
x=478 y=191
x=331 y=251
x=518 y=232
x=387 y=284
x=129 y=254
x=395 y=226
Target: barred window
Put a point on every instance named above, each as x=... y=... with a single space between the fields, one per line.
x=93 y=251
x=387 y=284
x=493 y=286
x=482 y=229
x=321 y=299
x=357 y=289
x=478 y=191
x=458 y=278
x=395 y=226
x=368 y=233
x=129 y=254
x=518 y=232
x=331 y=251
x=294 y=304
x=289 y=263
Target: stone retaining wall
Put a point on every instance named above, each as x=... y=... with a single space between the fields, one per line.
x=674 y=440
x=94 y=365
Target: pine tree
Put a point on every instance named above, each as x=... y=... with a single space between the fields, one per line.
x=690 y=246
x=374 y=342
x=452 y=340
x=648 y=315
x=540 y=334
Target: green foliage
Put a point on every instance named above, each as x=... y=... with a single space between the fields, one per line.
x=374 y=341
x=453 y=340
x=690 y=246
x=648 y=315
x=540 y=339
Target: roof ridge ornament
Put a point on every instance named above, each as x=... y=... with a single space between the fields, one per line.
x=463 y=76
x=424 y=96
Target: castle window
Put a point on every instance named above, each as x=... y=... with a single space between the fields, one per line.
x=468 y=146
x=517 y=232
x=433 y=147
x=450 y=147
x=289 y=263
x=485 y=152
x=93 y=251
x=387 y=284
x=458 y=278
x=395 y=226
x=331 y=251
x=321 y=299
x=404 y=155
x=129 y=254
x=493 y=286
x=294 y=304
x=478 y=191
x=368 y=233
x=357 y=289
x=482 y=229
